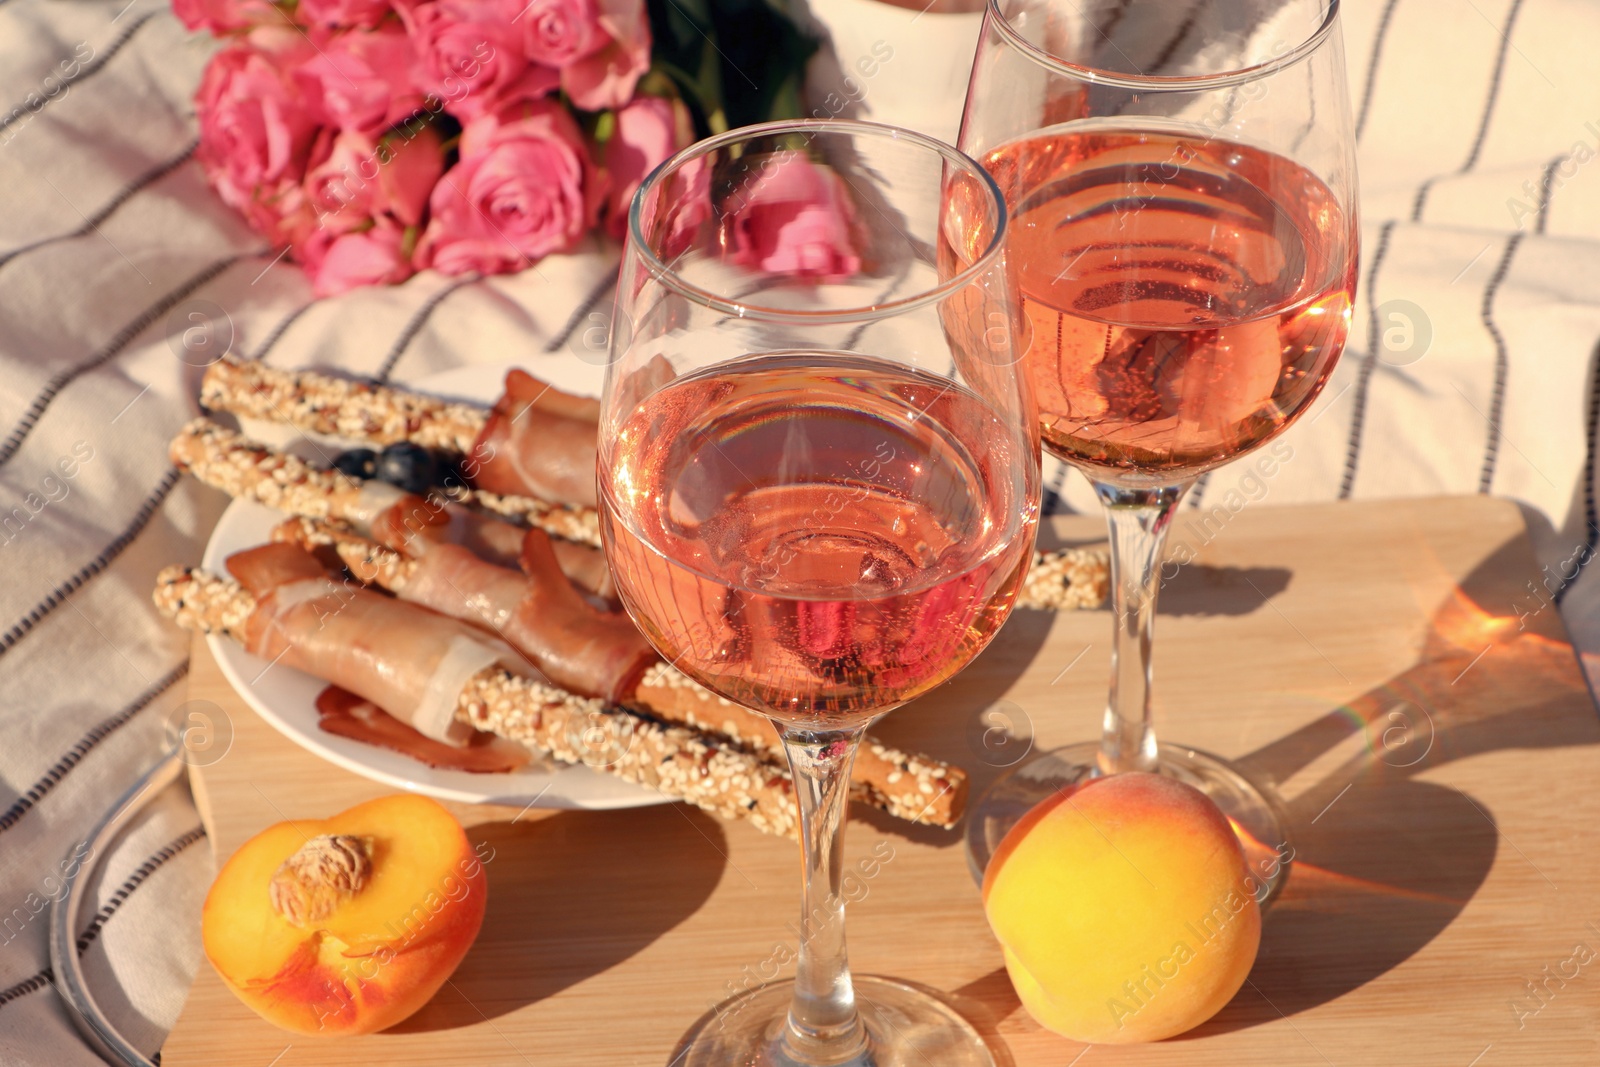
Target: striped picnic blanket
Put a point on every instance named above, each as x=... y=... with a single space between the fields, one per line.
x=1472 y=367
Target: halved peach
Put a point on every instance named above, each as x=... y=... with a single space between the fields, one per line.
x=350 y=924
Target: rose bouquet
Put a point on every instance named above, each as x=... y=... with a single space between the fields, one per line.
x=376 y=138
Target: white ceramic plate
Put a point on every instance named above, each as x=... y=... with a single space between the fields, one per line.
x=285 y=698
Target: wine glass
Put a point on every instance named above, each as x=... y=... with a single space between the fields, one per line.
x=819 y=488
x=1184 y=232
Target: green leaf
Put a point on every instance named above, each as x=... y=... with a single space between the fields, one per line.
x=763 y=57
x=735 y=62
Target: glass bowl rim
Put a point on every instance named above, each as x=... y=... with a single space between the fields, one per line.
x=664 y=272
x=1163 y=83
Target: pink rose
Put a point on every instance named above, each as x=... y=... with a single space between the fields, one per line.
x=334 y=14
x=467 y=54
x=339 y=263
x=647 y=131
x=794 y=218
x=605 y=78
x=556 y=32
x=224 y=16
x=255 y=134
x=281 y=212
x=355 y=179
x=362 y=80
x=524 y=188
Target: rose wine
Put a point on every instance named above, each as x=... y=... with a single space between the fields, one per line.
x=1186 y=298
x=817 y=536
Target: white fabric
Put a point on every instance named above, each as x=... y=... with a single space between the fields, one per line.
x=89 y=672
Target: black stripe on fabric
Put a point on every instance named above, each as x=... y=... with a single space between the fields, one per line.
x=418 y=321
x=27 y=985
x=1546 y=188
x=1311 y=117
x=85 y=745
x=1421 y=199
x=1110 y=26
x=1591 y=511
x=279 y=330
x=61 y=592
x=1171 y=49
x=127 y=192
x=1488 y=112
x=1369 y=363
x=1198 y=490
x=1378 y=40
x=91 y=933
x=597 y=294
x=61 y=379
x=1052 y=504
x=85 y=72
x=1502 y=362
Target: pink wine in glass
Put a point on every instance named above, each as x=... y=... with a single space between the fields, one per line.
x=1186 y=298
x=817 y=536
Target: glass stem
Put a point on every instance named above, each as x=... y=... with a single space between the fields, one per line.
x=824 y=1028
x=1138 y=519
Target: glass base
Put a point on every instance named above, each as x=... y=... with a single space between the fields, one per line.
x=1254 y=810
x=905 y=1027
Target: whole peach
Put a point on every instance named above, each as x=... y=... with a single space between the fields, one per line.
x=1124 y=910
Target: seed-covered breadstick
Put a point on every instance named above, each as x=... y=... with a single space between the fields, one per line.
x=686 y=764
x=906 y=785
x=342 y=407
x=1060 y=580
x=369 y=561
x=229 y=461
x=1066 y=579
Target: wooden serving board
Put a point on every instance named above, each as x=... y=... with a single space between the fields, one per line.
x=1385 y=663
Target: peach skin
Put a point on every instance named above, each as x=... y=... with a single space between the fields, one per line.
x=350 y=924
x=1124 y=910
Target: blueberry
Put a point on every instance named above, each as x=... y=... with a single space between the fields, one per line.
x=408 y=466
x=359 y=463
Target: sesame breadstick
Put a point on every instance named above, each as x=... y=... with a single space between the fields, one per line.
x=1060 y=580
x=227 y=460
x=342 y=407
x=906 y=785
x=1066 y=579
x=678 y=761
x=370 y=562
x=323 y=403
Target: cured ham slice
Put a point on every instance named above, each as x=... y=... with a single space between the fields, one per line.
x=342 y=713
x=538 y=441
x=408 y=662
x=574 y=644
x=411 y=524
x=578 y=646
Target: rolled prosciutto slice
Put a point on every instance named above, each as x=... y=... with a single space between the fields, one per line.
x=341 y=712
x=538 y=441
x=407 y=662
x=412 y=524
x=538 y=611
